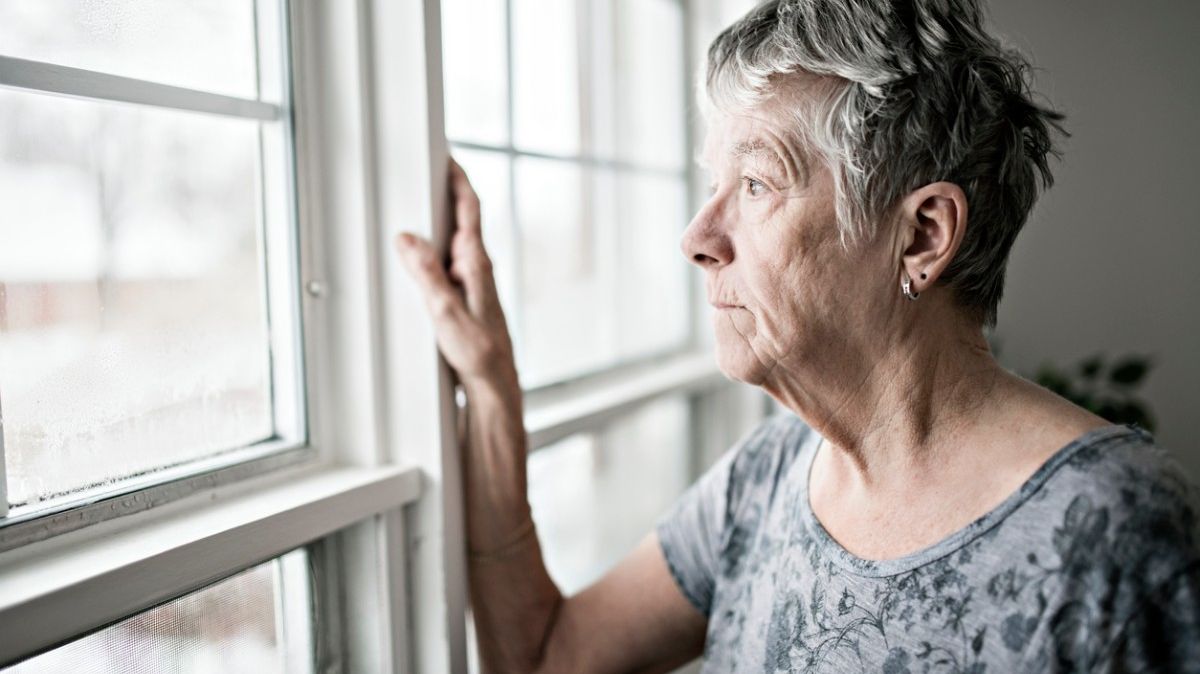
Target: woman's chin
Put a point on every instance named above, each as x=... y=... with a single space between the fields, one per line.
x=739 y=363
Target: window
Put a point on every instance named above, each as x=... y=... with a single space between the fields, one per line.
x=594 y=495
x=570 y=118
x=147 y=292
x=256 y=620
x=185 y=193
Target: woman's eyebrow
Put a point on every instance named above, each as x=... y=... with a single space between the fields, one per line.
x=754 y=148
x=793 y=167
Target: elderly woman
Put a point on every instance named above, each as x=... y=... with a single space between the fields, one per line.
x=924 y=509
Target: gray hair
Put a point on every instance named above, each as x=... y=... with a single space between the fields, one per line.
x=916 y=92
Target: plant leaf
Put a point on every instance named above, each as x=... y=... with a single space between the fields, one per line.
x=1129 y=371
x=1090 y=367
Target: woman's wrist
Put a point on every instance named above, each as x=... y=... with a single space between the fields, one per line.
x=501 y=386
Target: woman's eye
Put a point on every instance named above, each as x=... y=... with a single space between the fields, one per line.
x=756 y=187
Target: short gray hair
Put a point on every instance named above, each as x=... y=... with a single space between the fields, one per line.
x=918 y=92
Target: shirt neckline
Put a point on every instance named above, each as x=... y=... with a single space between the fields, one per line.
x=956 y=540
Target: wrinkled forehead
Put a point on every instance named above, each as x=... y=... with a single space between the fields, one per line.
x=776 y=124
x=761 y=134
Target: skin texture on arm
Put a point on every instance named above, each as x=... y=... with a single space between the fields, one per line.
x=633 y=619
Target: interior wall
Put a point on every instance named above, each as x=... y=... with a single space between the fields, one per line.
x=1109 y=261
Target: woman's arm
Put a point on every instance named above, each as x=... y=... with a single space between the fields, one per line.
x=635 y=618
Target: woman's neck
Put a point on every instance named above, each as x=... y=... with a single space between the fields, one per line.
x=897 y=405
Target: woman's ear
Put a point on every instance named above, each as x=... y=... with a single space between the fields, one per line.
x=933 y=220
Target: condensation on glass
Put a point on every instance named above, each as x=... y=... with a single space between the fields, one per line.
x=137 y=330
x=208 y=46
x=584 y=185
x=241 y=624
x=595 y=495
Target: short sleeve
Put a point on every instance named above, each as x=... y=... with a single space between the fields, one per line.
x=1164 y=635
x=690 y=534
x=706 y=521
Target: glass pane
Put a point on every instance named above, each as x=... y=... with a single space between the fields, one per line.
x=566 y=274
x=475 y=65
x=198 y=45
x=652 y=307
x=594 y=496
x=233 y=626
x=133 y=331
x=545 y=76
x=650 y=83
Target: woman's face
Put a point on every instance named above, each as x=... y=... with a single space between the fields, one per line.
x=785 y=291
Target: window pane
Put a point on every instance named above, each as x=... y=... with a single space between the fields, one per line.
x=566 y=274
x=545 y=76
x=198 y=45
x=652 y=282
x=651 y=83
x=475 y=64
x=133 y=325
x=594 y=496
x=233 y=626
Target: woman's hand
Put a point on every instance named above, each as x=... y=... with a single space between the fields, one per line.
x=463 y=302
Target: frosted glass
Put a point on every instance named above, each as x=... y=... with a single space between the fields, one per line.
x=133 y=325
x=228 y=627
x=199 y=45
x=594 y=496
x=545 y=76
x=475 y=68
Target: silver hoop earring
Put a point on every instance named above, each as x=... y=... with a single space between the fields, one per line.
x=906 y=288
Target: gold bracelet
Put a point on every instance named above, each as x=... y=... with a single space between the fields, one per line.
x=522 y=535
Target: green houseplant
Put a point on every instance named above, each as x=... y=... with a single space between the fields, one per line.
x=1107 y=388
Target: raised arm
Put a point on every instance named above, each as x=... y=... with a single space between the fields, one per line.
x=633 y=619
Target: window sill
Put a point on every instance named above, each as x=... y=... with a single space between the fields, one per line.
x=77 y=584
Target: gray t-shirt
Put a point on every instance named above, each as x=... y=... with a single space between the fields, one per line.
x=1092 y=566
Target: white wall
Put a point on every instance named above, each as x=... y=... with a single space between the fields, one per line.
x=1110 y=260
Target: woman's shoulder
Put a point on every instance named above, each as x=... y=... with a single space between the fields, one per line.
x=1120 y=517
x=1126 y=470
x=1122 y=502
x=748 y=474
x=770 y=449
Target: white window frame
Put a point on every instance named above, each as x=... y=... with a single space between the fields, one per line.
x=377 y=489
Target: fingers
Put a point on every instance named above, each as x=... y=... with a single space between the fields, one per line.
x=470 y=265
x=423 y=263
x=466 y=201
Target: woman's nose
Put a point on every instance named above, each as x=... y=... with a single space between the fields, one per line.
x=705 y=243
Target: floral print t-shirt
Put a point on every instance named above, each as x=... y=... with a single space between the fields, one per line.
x=1092 y=566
